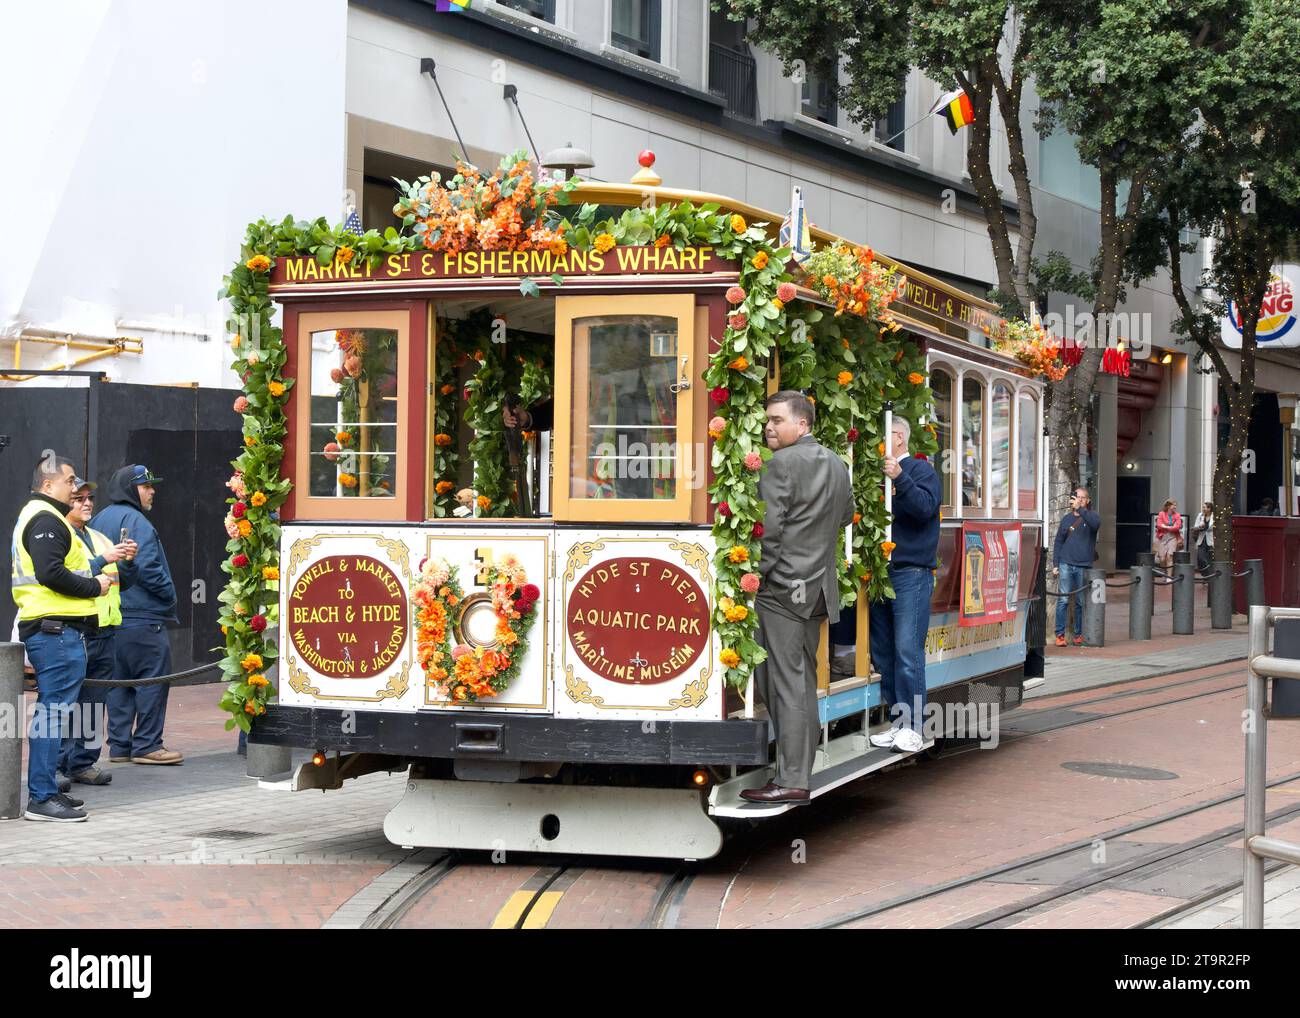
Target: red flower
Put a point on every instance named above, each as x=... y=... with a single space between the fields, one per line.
x=239 y=561
x=735 y=294
x=465 y=393
x=238 y=509
x=757 y=532
x=724 y=510
x=720 y=394
x=853 y=434
x=529 y=591
x=738 y=321
x=786 y=292
x=257 y=623
x=523 y=606
x=922 y=457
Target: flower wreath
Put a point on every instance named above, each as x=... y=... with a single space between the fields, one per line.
x=462 y=673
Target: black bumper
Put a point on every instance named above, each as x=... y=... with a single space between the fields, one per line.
x=526 y=738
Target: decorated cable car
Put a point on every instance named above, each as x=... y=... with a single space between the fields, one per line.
x=496 y=517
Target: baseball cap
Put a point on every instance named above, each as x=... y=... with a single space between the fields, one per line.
x=141 y=474
x=81 y=482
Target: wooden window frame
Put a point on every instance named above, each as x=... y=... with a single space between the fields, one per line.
x=567 y=508
x=952 y=375
x=409 y=320
x=1009 y=511
x=1022 y=395
x=978 y=510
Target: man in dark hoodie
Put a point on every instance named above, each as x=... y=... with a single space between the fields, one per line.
x=142 y=648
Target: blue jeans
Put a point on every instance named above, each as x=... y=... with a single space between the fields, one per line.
x=898 y=630
x=142 y=652
x=1071 y=578
x=60 y=663
x=81 y=748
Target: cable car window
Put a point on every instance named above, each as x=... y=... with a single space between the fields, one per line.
x=624 y=437
x=354 y=413
x=972 y=443
x=941 y=386
x=1027 y=455
x=1000 y=449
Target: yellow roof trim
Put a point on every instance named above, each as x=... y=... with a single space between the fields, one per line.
x=631 y=194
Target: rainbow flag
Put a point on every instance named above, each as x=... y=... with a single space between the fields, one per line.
x=454 y=6
x=794 y=228
x=955 y=107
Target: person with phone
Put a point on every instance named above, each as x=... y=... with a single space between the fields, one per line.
x=54 y=590
x=138 y=714
x=1073 y=553
x=81 y=747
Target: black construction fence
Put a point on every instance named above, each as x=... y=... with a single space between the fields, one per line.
x=188 y=436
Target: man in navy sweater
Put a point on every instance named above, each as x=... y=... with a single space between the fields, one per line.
x=899 y=626
x=1072 y=555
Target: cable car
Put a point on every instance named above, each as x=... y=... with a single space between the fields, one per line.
x=532 y=619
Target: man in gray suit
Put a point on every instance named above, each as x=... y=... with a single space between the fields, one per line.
x=808 y=502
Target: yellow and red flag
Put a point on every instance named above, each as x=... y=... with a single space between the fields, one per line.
x=955 y=107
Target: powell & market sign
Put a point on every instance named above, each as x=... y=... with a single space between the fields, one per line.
x=478 y=264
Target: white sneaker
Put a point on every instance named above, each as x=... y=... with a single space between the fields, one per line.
x=885 y=739
x=907 y=741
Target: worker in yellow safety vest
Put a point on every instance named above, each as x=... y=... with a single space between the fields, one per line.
x=81 y=747
x=54 y=590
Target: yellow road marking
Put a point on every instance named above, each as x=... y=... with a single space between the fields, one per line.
x=514 y=907
x=512 y=910
x=541 y=913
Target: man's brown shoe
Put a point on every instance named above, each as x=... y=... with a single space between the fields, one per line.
x=776 y=794
x=162 y=755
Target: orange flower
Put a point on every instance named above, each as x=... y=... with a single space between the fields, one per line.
x=258 y=263
x=447 y=390
x=484 y=502
x=276 y=389
x=347 y=480
x=916 y=378
x=251 y=662
x=739 y=364
x=245 y=528
x=603 y=242
x=857 y=517
x=258 y=680
x=887 y=547
x=344 y=254
x=898 y=356
x=343 y=438
x=844 y=377
x=737 y=224
x=778 y=303
x=882 y=448
x=738 y=613
x=729 y=658
x=442 y=439
x=829 y=281
x=663 y=240
x=270 y=572
x=258 y=499
x=759 y=261
x=250 y=441
x=442 y=487
x=738 y=554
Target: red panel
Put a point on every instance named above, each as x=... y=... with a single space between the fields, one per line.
x=417 y=397
x=290 y=337
x=1276 y=540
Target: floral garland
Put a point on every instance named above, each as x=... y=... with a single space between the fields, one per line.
x=484 y=396
x=249 y=602
x=475 y=673
x=1031 y=344
x=446 y=412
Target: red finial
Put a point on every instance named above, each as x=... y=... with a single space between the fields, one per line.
x=646 y=158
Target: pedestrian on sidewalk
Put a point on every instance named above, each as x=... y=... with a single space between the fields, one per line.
x=1169 y=534
x=1203 y=535
x=142 y=650
x=81 y=747
x=1074 y=552
x=54 y=590
x=899 y=624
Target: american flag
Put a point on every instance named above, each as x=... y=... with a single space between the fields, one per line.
x=353 y=223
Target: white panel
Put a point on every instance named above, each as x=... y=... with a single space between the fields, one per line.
x=633 y=635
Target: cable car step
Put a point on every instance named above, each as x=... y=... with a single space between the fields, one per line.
x=845 y=759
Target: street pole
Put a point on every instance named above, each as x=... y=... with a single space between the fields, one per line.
x=11 y=730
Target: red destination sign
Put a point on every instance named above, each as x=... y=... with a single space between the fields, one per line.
x=630 y=260
x=347 y=616
x=638 y=621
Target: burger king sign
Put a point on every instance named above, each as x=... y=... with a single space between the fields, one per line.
x=1277 y=314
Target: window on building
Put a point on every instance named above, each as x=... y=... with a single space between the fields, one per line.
x=889 y=128
x=941 y=387
x=635 y=27
x=1000 y=448
x=819 y=99
x=1027 y=455
x=733 y=72
x=541 y=9
x=972 y=443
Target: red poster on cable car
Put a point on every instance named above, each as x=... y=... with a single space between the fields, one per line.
x=990 y=572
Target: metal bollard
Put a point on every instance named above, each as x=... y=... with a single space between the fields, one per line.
x=1139 y=605
x=1254 y=582
x=1182 y=556
x=1094 y=609
x=1184 y=599
x=11 y=730
x=1221 y=596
